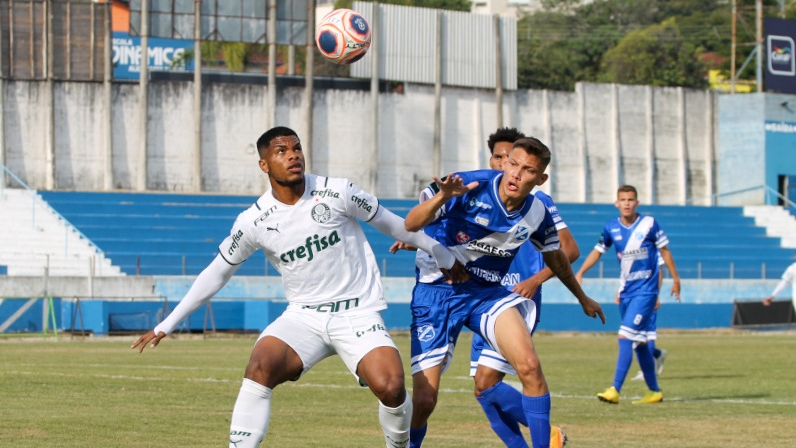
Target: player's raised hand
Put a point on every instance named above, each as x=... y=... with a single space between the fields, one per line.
x=453 y=185
x=593 y=309
x=456 y=274
x=145 y=339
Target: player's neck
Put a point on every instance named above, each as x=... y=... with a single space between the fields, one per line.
x=629 y=220
x=288 y=194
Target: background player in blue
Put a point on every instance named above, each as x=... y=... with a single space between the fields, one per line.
x=501 y=402
x=638 y=240
x=658 y=354
x=484 y=217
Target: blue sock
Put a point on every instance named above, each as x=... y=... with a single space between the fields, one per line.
x=655 y=352
x=623 y=362
x=647 y=363
x=504 y=423
x=416 y=436
x=537 y=413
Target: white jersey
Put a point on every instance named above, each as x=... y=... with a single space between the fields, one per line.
x=789 y=276
x=317 y=245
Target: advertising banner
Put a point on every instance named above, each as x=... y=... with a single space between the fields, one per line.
x=164 y=55
x=780 y=74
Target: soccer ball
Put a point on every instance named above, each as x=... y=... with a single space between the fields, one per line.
x=343 y=36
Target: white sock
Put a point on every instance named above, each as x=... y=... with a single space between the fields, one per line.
x=395 y=423
x=250 y=416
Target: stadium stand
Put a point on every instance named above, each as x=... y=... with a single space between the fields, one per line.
x=35 y=239
x=177 y=234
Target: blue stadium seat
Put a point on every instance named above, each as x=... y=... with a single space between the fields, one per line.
x=178 y=234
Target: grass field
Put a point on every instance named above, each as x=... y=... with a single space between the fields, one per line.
x=729 y=389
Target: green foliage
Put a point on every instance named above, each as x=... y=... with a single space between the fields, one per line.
x=568 y=41
x=657 y=55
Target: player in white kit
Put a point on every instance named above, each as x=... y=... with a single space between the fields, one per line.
x=307 y=226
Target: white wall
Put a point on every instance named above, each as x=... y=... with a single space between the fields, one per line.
x=602 y=135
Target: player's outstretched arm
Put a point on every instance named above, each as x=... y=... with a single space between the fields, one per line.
x=588 y=263
x=206 y=285
x=424 y=213
x=400 y=245
x=666 y=254
x=558 y=262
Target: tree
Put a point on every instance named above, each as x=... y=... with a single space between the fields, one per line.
x=656 y=55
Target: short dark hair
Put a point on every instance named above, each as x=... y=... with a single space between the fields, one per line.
x=627 y=189
x=510 y=135
x=536 y=148
x=269 y=135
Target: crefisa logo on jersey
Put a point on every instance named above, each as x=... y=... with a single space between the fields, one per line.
x=321 y=213
x=462 y=237
x=780 y=55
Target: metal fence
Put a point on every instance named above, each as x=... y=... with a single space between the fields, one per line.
x=70 y=46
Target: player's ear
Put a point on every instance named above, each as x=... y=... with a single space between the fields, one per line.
x=264 y=166
x=543 y=179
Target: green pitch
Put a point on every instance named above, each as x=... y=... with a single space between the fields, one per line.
x=721 y=390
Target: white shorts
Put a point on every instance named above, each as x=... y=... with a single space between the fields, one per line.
x=316 y=335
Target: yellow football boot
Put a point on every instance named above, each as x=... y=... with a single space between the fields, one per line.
x=650 y=397
x=611 y=395
x=558 y=439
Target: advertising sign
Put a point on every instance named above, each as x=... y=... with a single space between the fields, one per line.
x=164 y=55
x=780 y=72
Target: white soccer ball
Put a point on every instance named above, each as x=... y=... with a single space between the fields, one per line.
x=343 y=36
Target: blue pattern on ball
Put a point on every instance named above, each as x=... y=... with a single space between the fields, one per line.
x=359 y=24
x=328 y=42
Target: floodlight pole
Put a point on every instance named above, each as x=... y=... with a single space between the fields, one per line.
x=759 y=43
x=271 y=119
x=48 y=77
x=143 y=103
x=437 y=164
x=197 y=94
x=108 y=100
x=308 y=87
x=374 y=96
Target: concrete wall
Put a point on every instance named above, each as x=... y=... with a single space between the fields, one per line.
x=602 y=135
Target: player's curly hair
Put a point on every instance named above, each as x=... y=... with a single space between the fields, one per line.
x=510 y=135
x=265 y=139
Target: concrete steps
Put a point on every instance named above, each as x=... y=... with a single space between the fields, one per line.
x=35 y=240
x=776 y=220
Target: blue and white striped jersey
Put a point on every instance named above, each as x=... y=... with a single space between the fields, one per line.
x=528 y=260
x=637 y=251
x=483 y=234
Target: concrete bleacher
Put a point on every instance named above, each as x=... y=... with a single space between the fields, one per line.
x=36 y=241
x=178 y=234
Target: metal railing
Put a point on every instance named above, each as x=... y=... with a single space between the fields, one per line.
x=36 y=198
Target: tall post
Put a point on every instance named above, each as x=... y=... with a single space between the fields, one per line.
x=143 y=97
x=197 y=95
x=48 y=76
x=107 y=75
x=733 y=45
x=759 y=43
x=374 y=96
x=2 y=108
x=498 y=72
x=308 y=87
x=437 y=161
x=271 y=107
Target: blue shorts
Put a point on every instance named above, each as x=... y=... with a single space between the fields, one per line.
x=440 y=311
x=482 y=354
x=636 y=312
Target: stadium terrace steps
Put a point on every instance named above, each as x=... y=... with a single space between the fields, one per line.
x=36 y=240
x=178 y=234
x=777 y=221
